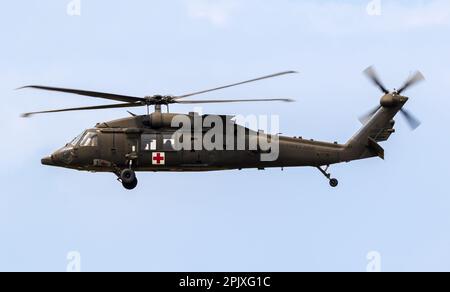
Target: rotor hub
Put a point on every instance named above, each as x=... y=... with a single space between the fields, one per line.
x=159 y=99
x=392 y=99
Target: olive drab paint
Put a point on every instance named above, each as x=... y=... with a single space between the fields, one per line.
x=160 y=141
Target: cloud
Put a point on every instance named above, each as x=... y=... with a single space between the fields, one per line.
x=217 y=12
x=429 y=14
x=394 y=16
x=341 y=17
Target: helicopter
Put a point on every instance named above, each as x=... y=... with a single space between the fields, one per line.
x=151 y=142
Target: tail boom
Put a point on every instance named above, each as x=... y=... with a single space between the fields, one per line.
x=377 y=129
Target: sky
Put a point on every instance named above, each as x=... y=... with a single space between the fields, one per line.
x=271 y=220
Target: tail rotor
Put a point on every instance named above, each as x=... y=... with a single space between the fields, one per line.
x=390 y=98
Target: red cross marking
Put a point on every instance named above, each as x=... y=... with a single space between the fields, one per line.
x=158 y=158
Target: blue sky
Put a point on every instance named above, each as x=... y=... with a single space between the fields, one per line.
x=228 y=221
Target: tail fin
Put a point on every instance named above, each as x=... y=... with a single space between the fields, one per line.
x=378 y=128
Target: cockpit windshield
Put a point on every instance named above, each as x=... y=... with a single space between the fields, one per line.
x=85 y=139
x=75 y=141
x=89 y=140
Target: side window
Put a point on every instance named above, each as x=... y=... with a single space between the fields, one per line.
x=168 y=142
x=148 y=142
x=94 y=141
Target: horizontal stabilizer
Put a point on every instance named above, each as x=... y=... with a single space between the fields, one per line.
x=376 y=148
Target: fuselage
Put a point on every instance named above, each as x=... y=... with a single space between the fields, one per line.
x=149 y=143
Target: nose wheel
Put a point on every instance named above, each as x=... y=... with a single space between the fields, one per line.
x=333 y=182
x=128 y=179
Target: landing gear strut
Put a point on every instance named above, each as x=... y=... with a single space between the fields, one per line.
x=333 y=182
x=128 y=179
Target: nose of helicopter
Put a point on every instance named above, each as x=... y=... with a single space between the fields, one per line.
x=48 y=160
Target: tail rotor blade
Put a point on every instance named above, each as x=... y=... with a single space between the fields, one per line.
x=413 y=122
x=373 y=76
x=365 y=118
x=413 y=80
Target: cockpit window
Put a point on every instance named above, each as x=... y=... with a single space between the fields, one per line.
x=77 y=139
x=89 y=140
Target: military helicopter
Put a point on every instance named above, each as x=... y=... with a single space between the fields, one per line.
x=148 y=143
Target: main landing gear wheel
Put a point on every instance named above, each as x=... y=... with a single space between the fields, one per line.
x=333 y=182
x=130 y=186
x=128 y=179
x=128 y=176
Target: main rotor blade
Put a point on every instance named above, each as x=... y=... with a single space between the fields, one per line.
x=236 y=84
x=413 y=122
x=413 y=80
x=123 y=105
x=103 y=95
x=231 y=101
x=373 y=76
x=365 y=118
